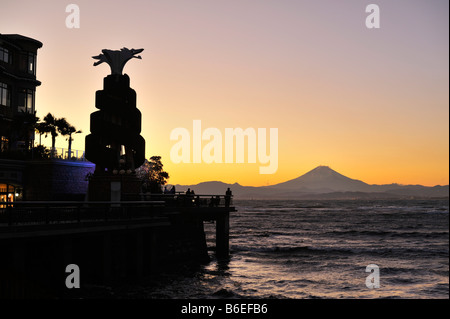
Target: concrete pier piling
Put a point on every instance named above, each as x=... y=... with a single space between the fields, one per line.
x=223 y=235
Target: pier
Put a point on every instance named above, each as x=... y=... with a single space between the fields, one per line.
x=111 y=242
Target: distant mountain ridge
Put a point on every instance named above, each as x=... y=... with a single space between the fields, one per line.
x=321 y=183
x=323 y=179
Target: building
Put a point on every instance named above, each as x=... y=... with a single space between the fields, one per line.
x=17 y=90
x=17 y=105
x=21 y=176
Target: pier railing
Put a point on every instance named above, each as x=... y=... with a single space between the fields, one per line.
x=43 y=153
x=135 y=207
x=181 y=199
x=66 y=154
x=60 y=212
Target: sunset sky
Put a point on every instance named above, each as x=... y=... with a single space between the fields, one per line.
x=373 y=104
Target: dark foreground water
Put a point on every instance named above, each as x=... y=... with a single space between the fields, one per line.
x=320 y=249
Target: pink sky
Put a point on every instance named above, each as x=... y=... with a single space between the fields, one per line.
x=371 y=104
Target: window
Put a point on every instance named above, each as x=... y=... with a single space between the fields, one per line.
x=23 y=60
x=31 y=68
x=4 y=144
x=6 y=194
x=27 y=63
x=26 y=101
x=5 y=94
x=4 y=55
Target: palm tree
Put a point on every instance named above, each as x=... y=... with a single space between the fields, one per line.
x=30 y=120
x=23 y=127
x=42 y=128
x=50 y=126
x=66 y=129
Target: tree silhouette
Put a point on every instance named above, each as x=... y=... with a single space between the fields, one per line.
x=50 y=124
x=23 y=127
x=42 y=128
x=152 y=175
x=66 y=129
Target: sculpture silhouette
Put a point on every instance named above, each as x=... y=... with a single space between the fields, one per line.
x=117 y=58
x=115 y=143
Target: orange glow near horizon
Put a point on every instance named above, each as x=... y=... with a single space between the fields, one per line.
x=371 y=104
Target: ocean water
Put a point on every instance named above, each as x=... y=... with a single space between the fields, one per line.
x=320 y=249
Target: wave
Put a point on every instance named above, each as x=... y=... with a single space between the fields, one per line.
x=358 y=232
x=340 y=250
x=406 y=234
x=293 y=249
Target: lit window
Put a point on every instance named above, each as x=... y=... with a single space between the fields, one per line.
x=27 y=63
x=26 y=101
x=4 y=144
x=31 y=63
x=5 y=94
x=4 y=55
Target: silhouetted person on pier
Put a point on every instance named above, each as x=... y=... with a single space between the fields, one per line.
x=189 y=197
x=228 y=197
x=172 y=190
x=217 y=201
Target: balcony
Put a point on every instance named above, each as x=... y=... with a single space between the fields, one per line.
x=64 y=154
x=44 y=153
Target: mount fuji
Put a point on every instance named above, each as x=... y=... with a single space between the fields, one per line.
x=321 y=183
